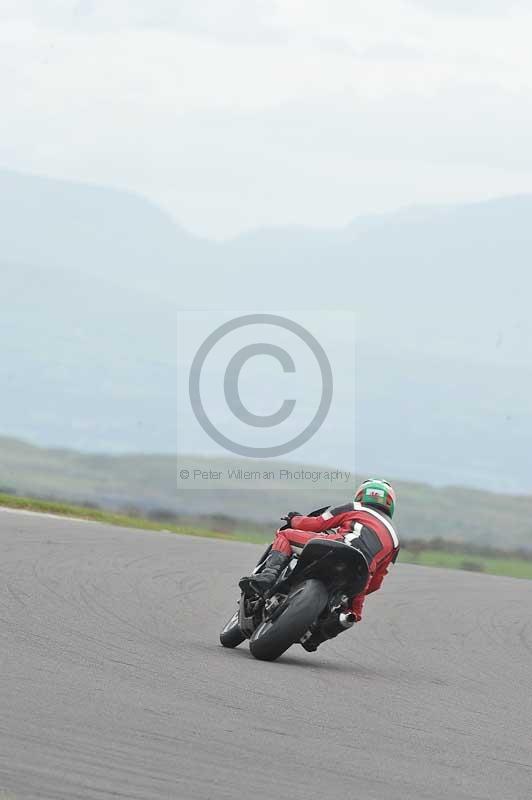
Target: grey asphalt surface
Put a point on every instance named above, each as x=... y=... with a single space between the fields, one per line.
x=113 y=683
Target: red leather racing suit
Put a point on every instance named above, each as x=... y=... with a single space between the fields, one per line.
x=376 y=538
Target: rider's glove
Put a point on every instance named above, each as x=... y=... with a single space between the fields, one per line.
x=291 y=514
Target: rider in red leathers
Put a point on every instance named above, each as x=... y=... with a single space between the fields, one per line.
x=364 y=523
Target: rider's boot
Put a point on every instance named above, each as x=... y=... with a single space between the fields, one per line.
x=329 y=630
x=264 y=580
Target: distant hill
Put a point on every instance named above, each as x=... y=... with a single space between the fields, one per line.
x=92 y=230
x=92 y=278
x=450 y=280
x=148 y=482
x=85 y=363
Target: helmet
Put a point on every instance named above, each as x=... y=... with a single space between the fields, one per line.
x=377 y=492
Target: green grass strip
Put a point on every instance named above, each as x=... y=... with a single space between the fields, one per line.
x=511 y=567
x=122 y=520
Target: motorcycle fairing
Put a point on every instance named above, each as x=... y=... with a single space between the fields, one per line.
x=332 y=562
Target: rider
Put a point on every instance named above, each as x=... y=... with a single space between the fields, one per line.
x=366 y=520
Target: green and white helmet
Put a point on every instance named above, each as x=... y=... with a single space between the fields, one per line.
x=378 y=493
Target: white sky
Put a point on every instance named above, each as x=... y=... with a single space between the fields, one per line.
x=245 y=113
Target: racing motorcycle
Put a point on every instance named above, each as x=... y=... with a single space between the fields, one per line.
x=309 y=601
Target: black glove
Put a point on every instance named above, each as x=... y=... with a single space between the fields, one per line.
x=291 y=514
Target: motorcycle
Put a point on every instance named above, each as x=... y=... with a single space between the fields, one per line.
x=309 y=601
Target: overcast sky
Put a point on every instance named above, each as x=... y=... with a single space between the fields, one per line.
x=244 y=113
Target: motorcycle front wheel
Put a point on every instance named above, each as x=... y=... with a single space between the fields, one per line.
x=302 y=607
x=231 y=635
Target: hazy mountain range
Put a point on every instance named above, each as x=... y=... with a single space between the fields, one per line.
x=92 y=277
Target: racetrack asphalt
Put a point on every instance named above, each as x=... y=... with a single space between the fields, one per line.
x=113 y=683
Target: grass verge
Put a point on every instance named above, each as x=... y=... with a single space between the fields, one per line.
x=123 y=520
x=511 y=567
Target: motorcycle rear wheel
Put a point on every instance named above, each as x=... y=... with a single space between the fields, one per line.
x=304 y=604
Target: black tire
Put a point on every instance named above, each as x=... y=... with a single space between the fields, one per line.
x=231 y=635
x=272 y=638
